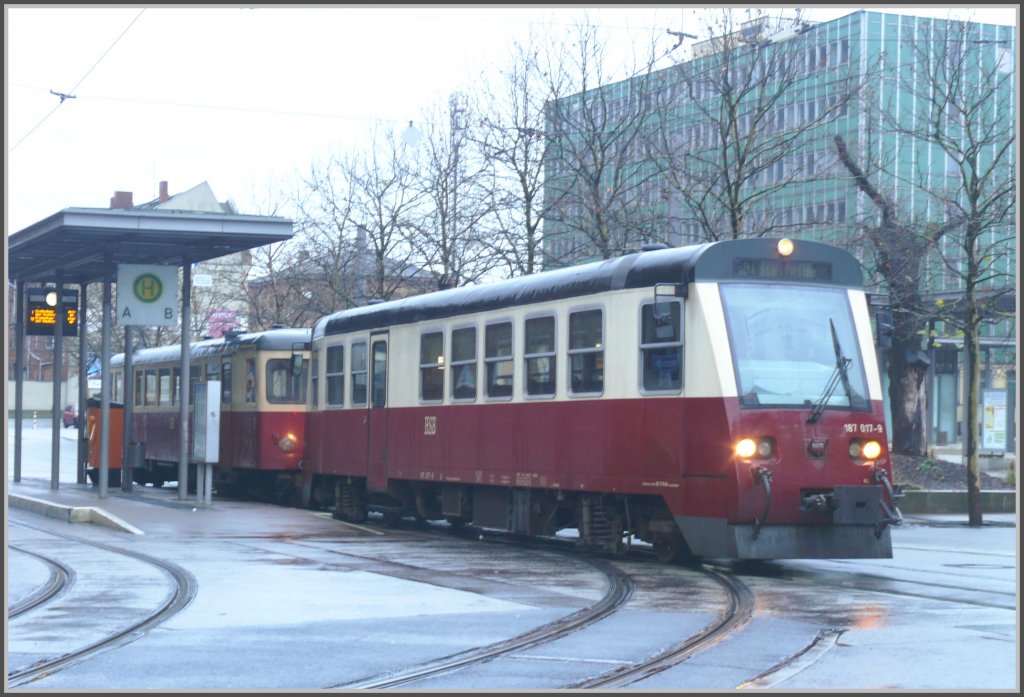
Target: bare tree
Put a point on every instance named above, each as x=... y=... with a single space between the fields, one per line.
x=899 y=251
x=740 y=127
x=328 y=261
x=963 y=86
x=513 y=143
x=453 y=237
x=274 y=296
x=386 y=201
x=600 y=188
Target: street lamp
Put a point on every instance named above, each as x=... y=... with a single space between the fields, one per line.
x=411 y=136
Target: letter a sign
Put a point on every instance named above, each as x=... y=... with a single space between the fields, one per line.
x=147 y=295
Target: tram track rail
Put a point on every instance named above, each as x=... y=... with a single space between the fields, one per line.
x=183 y=591
x=61 y=578
x=737 y=613
x=619 y=589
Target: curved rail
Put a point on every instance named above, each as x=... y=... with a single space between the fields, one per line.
x=620 y=589
x=184 y=592
x=61 y=578
x=738 y=612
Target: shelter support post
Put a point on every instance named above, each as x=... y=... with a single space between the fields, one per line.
x=19 y=372
x=105 y=382
x=58 y=377
x=127 y=465
x=186 y=336
x=83 y=389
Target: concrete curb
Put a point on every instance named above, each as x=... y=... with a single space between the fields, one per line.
x=71 y=514
x=938 y=502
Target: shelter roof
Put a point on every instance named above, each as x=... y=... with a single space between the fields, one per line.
x=84 y=243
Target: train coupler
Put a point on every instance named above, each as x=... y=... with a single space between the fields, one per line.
x=891 y=510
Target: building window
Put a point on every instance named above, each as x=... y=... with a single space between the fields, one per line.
x=432 y=367
x=661 y=346
x=334 y=375
x=539 y=356
x=464 y=364
x=586 y=352
x=498 y=359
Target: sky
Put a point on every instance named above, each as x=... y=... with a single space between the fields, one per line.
x=247 y=98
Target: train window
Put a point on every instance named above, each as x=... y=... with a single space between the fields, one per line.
x=380 y=373
x=498 y=359
x=225 y=385
x=464 y=364
x=163 y=394
x=358 y=370
x=140 y=388
x=284 y=386
x=314 y=375
x=194 y=378
x=118 y=395
x=539 y=356
x=335 y=375
x=661 y=346
x=250 y=380
x=150 y=398
x=586 y=352
x=432 y=367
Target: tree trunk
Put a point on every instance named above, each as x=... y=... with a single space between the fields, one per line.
x=972 y=373
x=908 y=400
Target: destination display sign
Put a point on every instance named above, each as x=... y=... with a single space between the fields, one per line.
x=41 y=308
x=788 y=269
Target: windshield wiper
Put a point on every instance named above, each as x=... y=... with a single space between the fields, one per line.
x=839 y=373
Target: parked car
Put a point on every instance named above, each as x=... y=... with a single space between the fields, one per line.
x=70 y=416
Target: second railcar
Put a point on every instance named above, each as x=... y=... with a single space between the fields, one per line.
x=263 y=377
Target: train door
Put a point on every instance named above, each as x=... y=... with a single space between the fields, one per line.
x=377 y=413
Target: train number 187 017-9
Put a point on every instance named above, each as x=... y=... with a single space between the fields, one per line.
x=864 y=428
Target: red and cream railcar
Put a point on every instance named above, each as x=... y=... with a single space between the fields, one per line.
x=715 y=400
x=263 y=378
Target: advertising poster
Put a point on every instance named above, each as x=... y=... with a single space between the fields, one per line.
x=993 y=420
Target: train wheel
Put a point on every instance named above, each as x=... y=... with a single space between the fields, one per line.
x=157 y=483
x=670 y=547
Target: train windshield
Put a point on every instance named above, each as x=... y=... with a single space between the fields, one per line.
x=284 y=386
x=783 y=348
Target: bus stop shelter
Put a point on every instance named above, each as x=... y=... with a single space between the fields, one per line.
x=79 y=246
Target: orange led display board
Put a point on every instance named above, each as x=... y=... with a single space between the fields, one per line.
x=41 y=309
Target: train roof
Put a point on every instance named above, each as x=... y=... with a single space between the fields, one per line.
x=269 y=340
x=677 y=266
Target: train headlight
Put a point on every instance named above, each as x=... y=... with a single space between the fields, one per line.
x=871 y=450
x=761 y=447
x=746 y=448
x=785 y=247
x=861 y=450
x=287 y=443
